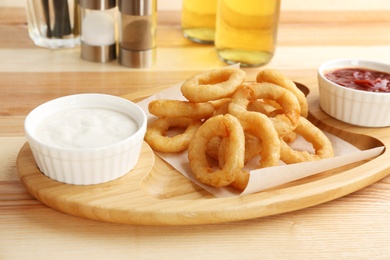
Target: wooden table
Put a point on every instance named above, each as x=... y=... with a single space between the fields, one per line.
x=356 y=226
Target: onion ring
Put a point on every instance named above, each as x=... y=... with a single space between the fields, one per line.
x=227 y=121
x=253 y=147
x=290 y=137
x=321 y=144
x=259 y=106
x=177 y=108
x=213 y=145
x=226 y=126
x=274 y=76
x=217 y=145
x=156 y=136
x=260 y=126
x=212 y=84
x=241 y=181
x=221 y=106
x=284 y=122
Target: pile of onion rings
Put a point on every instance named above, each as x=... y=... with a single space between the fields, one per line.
x=227 y=121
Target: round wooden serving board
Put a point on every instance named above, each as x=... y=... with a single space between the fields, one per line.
x=154 y=193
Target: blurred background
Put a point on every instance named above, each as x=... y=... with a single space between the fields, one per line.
x=286 y=4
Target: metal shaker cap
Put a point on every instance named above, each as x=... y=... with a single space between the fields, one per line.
x=98 y=4
x=137 y=7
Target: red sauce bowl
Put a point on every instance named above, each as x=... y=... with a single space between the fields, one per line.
x=354 y=106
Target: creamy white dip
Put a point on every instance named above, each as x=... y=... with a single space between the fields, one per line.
x=85 y=128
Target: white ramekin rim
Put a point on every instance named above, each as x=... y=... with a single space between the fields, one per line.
x=350 y=63
x=86 y=166
x=342 y=103
x=74 y=101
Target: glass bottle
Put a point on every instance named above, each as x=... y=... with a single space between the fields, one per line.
x=246 y=31
x=198 y=20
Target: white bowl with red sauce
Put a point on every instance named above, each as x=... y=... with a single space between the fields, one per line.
x=356 y=91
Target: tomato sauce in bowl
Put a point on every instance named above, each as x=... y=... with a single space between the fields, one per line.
x=360 y=79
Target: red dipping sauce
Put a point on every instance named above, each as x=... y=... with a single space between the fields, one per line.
x=361 y=79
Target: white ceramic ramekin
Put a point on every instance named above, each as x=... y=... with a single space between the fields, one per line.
x=85 y=166
x=357 y=107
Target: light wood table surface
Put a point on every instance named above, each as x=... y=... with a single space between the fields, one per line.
x=356 y=226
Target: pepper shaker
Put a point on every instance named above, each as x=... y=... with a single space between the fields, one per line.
x=137 y=32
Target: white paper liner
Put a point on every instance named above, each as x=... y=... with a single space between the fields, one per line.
x=266 y=178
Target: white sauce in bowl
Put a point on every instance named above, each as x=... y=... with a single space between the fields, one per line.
x=85 y=128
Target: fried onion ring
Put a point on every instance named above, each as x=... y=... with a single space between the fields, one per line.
x=212 y=85
x=229 y=128
x=213 y=145
x=321 y=144
x=156 y=134
x=221 y=106
x=274 y=76
x=253 y=147
x=260 y=126
x=216 y=145
x=284 y=122
x=227 y=121
x=177 y=108
x=290 y=137
x=241 y=181
x=261 y=106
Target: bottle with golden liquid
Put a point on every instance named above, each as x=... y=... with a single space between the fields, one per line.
x=198 y=20
x=246 y=31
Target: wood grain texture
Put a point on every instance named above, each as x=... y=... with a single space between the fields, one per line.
x=356 y=226
x=159 y=195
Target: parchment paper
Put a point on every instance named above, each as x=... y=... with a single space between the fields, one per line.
x=266 y=178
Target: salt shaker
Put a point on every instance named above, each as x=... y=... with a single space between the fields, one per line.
x=98 y=30
x=137 y=32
